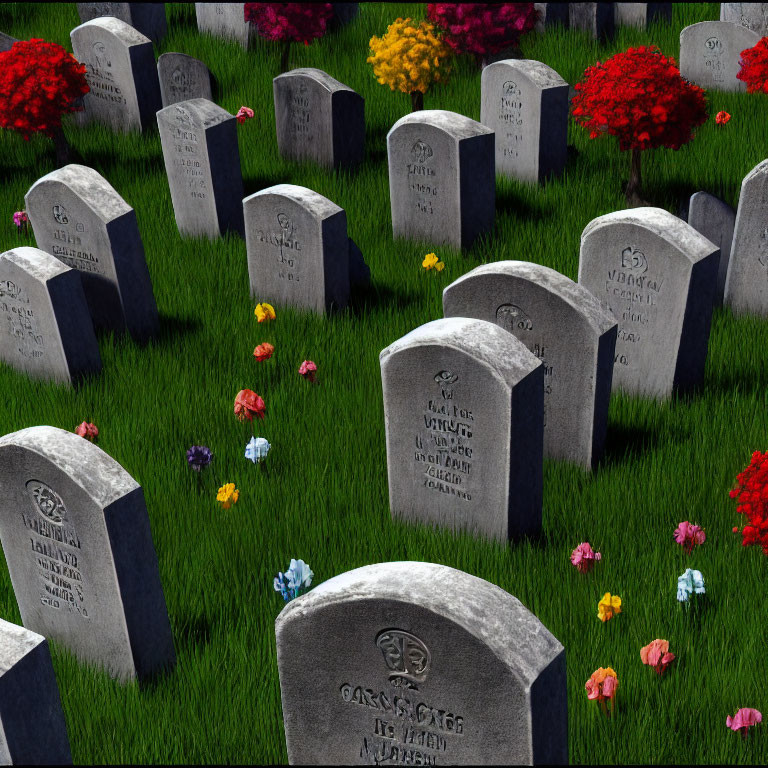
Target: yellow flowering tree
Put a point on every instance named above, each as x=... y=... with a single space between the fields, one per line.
x=409 y=58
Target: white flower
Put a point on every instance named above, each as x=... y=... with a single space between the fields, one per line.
x=257 y=449
x=691 y=581
x=298 y=575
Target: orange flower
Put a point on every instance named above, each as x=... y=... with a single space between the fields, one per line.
x=263 y=352
x=602 y=685
x=248 y=404
x=656 y=655
x=721 y=118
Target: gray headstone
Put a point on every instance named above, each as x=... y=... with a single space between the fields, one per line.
x=225 y=20
x=121 y=72
x=76 y=537
x=46 y=328
x=526 y=104
x=715 y=220
x=6 y=42
x=403 y=662
x=595 y=18
x=745 y=286
x=182 y=78
x=298 y=249
x=710 y=52
x=202 y=161
x=641 y=14
x=463 y=413
x=563 y=325
x=147 y=18
x=79 y=218
x=318 y=118
x=551 y=13
x=442 y=182
x=32 y=726
x=753 y=16
x=657 y=275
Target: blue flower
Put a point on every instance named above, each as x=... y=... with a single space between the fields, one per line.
x=690 y=582
x=298 y=576
x=257 y=449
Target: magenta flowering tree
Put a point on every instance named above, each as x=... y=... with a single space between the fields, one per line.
x=289 y=23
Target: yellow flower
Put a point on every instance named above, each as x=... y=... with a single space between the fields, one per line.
x=608 y=606
x=429 y=261
x=264 y=312
x=439 y=266
x=227 y=495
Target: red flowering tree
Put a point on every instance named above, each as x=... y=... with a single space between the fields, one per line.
x=289 y=23
x=39 y=83
x=751 y=493
x=754 y=67
x=640 y=97
x=482 y=29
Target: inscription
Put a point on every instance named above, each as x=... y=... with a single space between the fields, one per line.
x=424 y=192
x=188 y=160
x=69 y=247
x=288 y=245
x=713 y=59
x=510 y=115
x=20 y=321
x=300 y=114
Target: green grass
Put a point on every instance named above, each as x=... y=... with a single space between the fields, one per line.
x=323 y=494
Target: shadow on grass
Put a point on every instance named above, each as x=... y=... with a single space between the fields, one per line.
x=193 y=632
x=513 y=205
x=624 y=443
x=172 y=327
x=377 y=295
x=253 y=184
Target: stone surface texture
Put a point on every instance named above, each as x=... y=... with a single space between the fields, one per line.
x=595 y=18
x=549 y=14
x=6 y=42
x=753 y=16
x=147 y=18
x=182 y=78
x=225 y=20
x=641 y=14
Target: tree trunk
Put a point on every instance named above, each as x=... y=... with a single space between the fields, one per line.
x=417 y=101
x=62 y=147
x=633 y=191
x=284 y=57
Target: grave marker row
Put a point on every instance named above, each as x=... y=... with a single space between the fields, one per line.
x=146 y=18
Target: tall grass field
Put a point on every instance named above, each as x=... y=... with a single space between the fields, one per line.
x=322 y=494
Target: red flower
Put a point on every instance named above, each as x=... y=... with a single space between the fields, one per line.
x=87 y=430
x=721 y=118
x=751 y=492
x=248 y=404
x=292 y=22
x=754 y=67
x=263 y=352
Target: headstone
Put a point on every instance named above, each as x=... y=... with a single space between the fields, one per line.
x=225 y=20
x=442 y=182
x=753 y=16
x=343 y=13
x=657 y=275
x=182 y=78
x=121 y=72
x=641 y=14
x=147 y=18
x=202 y=160
x=32 y=726
x=318 y=118
x=595 y=18
x=549 y=14
x=563 y=325
x=6 y=42
x=526 y=104
x=46 y=329
x=463 y=416
x=746 y=291
x=715 y=220
x=710 y=52
x=79 y=218
x=298 y=249
x=76 y=537
x=436 y=667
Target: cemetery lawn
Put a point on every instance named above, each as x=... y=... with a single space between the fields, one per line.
x=322 y=494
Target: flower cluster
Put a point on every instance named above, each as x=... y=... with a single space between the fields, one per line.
x=754 y=67
x=743 y=720
x=87 y=430
x=432 y=262
x=656 y=655
x=199 y=457
x=409 y=58
x=39 y=82
x=248 y=404
x=264 y=312
x=21 y=220
x=289 y=22
x=290 y=583
x=227 y=495
x=584 y=558
x=608 y=606
x=689 y=583
x=751 y=493
x=308 y=369
x=602 y=685
x=243 y=114
x=689 y=535
x=263 y=352
x=640 y=97
x=722 y=117
x=257 y=449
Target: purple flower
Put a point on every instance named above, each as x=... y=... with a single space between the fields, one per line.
x=198 y=456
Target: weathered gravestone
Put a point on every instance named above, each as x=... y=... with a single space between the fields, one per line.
x=595 y=18
x=6 y=42
x=225 y=20
x=657 y=275
x=715 y=220
x=318 y=118
x=298 y=249
x=563 y=325
x=121 y=72
x=202 y=160
x=46 y=328
x=549 y=14
x=641 y=14
x=32 y=726
x=746 y=287
x=182 y=78
x=76 y=537
x=79 y=218
x=147 y=18
x=442 y=182
x=753 y=16
x=463 y=413
x=436 y=666
x=710 y=52
x=525 y=103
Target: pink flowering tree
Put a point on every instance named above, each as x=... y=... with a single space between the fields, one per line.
x=289 y=23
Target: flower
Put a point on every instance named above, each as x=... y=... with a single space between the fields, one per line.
x=248 y=404
x=656 y=655
x=754 y=67
x=289 y=22
x=307 y=369
x=263 y=352
x=20 y=219
x=264 y=312
x=257 y=449
x=751 y=492
x=227 y=495
x=199 y=457
x=584 y=558
x=243 y=114
x=721 y=118
x=87 y=430
x=689 y=535
x=430 y=260
x=691 y=581
x=602 y=685
x=297 y=577
x=608 y=606
x=743 y=720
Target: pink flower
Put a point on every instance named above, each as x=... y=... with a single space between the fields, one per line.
x=743 y=719
x=87 y=430
x=243 y=114
x=689 y=535
x=307 y=370
x=656 y=655
x=584 y=558
x=19 y=218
